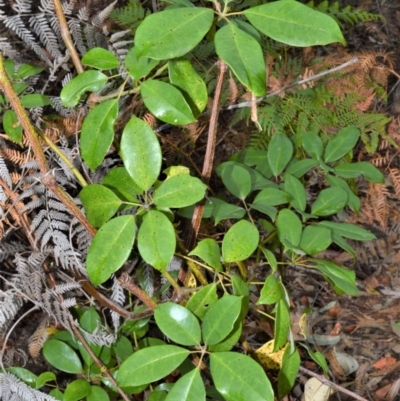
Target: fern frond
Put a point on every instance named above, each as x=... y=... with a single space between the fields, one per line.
x=102 y=15
x=131 y=15
x=10 y=304
x=38 y=338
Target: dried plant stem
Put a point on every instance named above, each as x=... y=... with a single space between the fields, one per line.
x=327 y=382
x=66 y=36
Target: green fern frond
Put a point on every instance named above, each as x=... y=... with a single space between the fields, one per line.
x=131 y=15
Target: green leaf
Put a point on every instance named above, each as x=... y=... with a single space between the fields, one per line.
x=288 y=372
x=271 y=291
x=121 y=183
x=183 y=76
x=312 y=144
x=348 y=230
x=280 y=151
x=201 y=302
x=179 y=191
x=98 y=132
x=141 y=153
x=219 y=320
x=91 y=80
x=268 y=210
x=354 y=200
x=244 y=56
x=158 y=395
x=270 y=258
x=208 y=250
x=100 y=58
x=97 y=394
x=24 y=374
x=341 y=277
x=172 y=33
x=299 y=168
x=341 y=242
x=294 y=24
x=166 y=102
x=240 y=241
x=44 y=378
x=241 y=289
x=352 y=170
x=282 y=325
x=62 y=357
x=222 y=210
x=289 y=228
x=100 y=203
x=344 y=141
x=317 y=357
x=229 y=342
x=236 y=178
x=12 y=126
x=150 y=364
x=90 y=320
x=34 y=100
x=57 y=394
x=297 y=191
x=138 y=67
x=239 y=378
x=156 y=240
x=189 y=387
x=315 y=239
x=27 y=70
x=178 y=323
x=110 y=248
x=76 y=390
x=271 y=197
x=329 y=201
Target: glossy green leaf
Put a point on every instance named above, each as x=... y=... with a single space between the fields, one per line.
x=158 y=395
x=280 y=151
x=352 y=170
x=219 y=320
x=34 y=100
x=348 y=230
x=288 y=372
x=189 y=387
x=138 y=67
x=289 y=228
x=179 y=191
x=150 y=364
x=236 y=178
x=100 y=203
x=296 y=189
x=90 y=320
x=340 y=276
x=97 y=394
x=166 y=102
x=121 y=183
x=312 y=144
x=178 y=323
x=329 y=201
x=282 y=325
x=294 y=24
x=271 y=197
x=12 y=126
x=76 y=390
x=27 y=70
x=100 y=58
x=98 y=132
x=239 y=378
x=156 y=240
x=201 y=302
x=172 y=33
x=344 y=141
x=24 y=374
x=299 y=168
x=91 y=80
x=183 y=76
x=271 y=291
x=44 y=378
x=110 y=248
x=270 y=258
x=241 y=289
x=315 y=239
x=353 y=200
x=222 y=210
x=244 y=56
x=230 y=341
x=62 y=356
x=123 y=348
x=141 y=153
x=246 y=27
x=208 y=250
x=240 y=241
x=341 y=242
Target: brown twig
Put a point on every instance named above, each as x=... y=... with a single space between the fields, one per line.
x=66 y=36
x=327 y=382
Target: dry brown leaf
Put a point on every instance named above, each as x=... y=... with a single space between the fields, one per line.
x=384 y=362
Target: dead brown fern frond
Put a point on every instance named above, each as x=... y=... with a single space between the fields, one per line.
x=377 y=197
x=395 y=176
x=38 y=338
